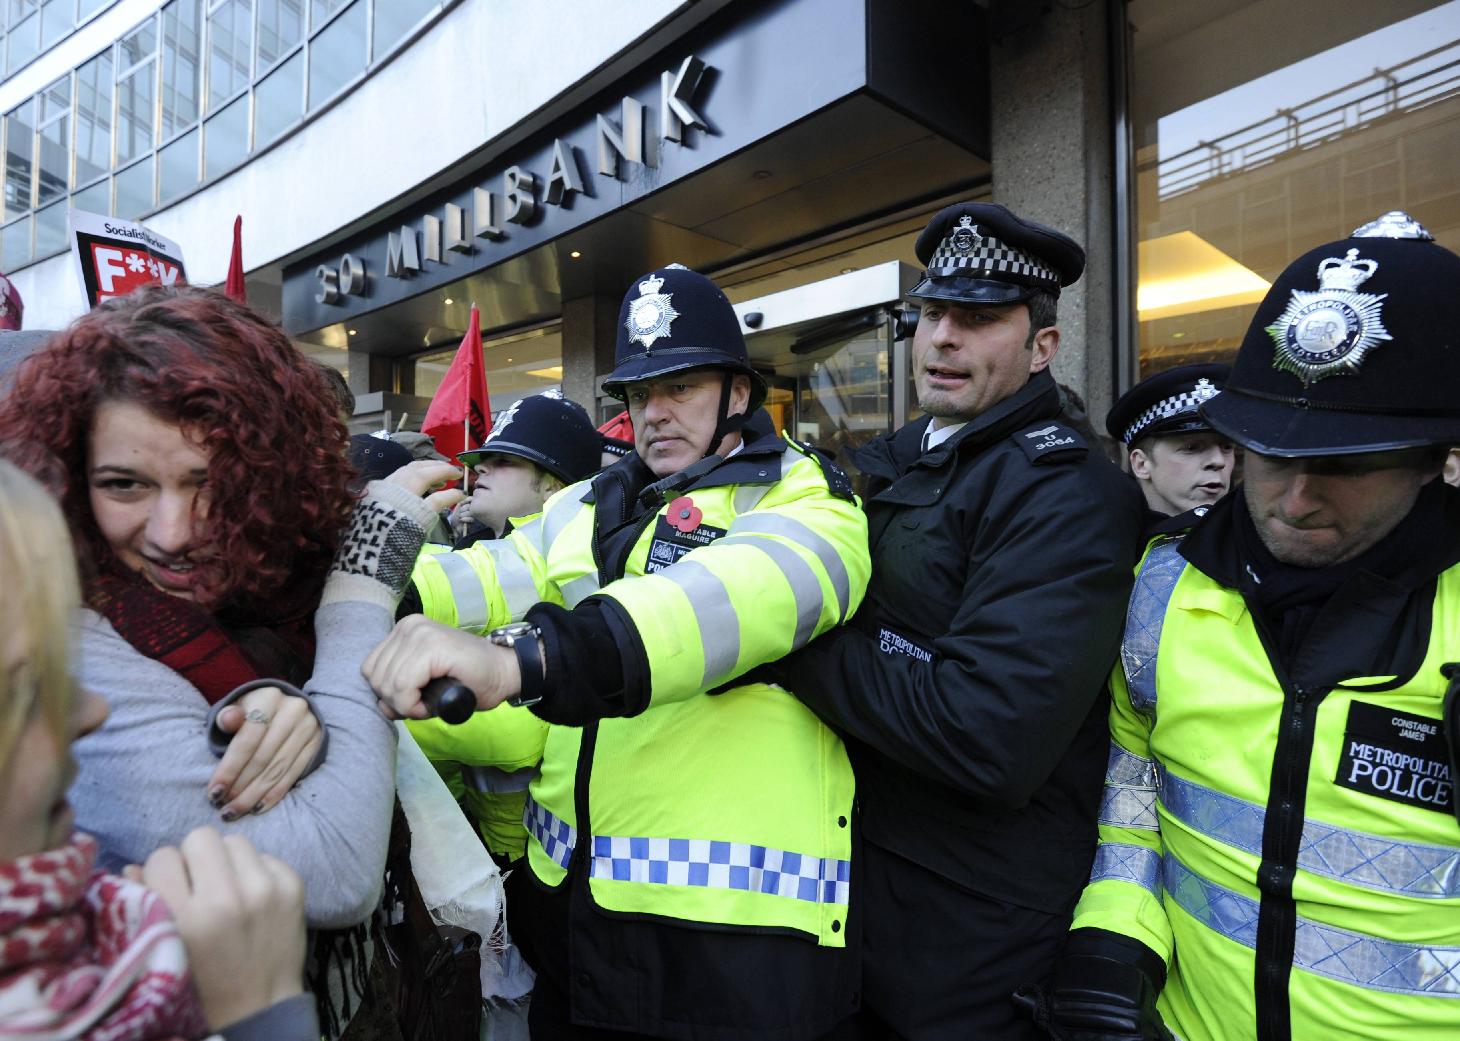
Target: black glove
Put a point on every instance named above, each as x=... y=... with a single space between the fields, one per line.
x=1104 y=989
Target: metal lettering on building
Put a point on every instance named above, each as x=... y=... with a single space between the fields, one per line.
x=519 y=196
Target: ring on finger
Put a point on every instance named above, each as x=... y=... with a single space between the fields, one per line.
x=257 y=715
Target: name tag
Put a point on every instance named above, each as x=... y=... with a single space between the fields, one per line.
x=678 y=530
x=1396 y=756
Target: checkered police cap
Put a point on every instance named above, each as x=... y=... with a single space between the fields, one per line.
x=1166 y=403
x=979 y=252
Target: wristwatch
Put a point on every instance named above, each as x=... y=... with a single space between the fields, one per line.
x=523 y=638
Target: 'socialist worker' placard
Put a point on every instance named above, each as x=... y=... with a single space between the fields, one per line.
x=114 y=257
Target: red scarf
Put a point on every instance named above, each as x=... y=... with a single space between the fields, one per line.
x=204 y=648
x=89 y=955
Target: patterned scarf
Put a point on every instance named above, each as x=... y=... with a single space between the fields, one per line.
x=89 y=955
x=217 y=653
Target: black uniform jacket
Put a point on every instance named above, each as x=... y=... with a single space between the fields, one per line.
x=971 y=686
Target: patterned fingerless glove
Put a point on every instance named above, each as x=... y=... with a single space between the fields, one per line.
x=379 y=550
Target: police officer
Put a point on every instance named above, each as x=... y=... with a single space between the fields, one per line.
x=971 y=689
x=1279 y=845
x=537 y=446
x=1183 y=466
x=689 y=856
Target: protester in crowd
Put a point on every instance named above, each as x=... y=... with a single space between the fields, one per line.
x=205 y=937
x=1279 y=829
x=537 y=446
x=375 y=458
x=1181 y=463
x=689 y=856
x=617 y=438
x=12 y=309
x=199 y=461
x=971 y=687
x=340 y=392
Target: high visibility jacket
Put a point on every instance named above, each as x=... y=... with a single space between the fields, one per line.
x=733 y=809
x=1290 y=851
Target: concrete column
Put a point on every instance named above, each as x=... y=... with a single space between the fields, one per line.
x=370 y=372
x=590 y=326
x=1053 y=163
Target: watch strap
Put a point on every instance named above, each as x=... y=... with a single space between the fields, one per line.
x=529 y=663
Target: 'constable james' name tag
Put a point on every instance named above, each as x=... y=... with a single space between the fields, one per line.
x=1396 y=756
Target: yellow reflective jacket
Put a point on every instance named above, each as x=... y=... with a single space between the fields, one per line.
x=1354 y=931
x=731 y=809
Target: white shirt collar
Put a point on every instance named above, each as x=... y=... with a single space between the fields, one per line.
x=935 y=436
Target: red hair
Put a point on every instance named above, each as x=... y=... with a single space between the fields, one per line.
x=279 y=499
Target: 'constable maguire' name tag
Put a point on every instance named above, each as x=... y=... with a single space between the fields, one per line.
x=1396 y=756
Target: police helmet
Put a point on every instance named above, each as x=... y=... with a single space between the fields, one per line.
x=546 y=429
x=672 y=320
x=980 y=253
x=1166 y=403
x=1355 y=348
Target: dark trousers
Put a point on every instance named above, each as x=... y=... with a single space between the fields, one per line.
x=940 y=962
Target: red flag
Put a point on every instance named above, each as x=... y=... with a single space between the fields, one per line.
x=233 y=288
x=460 y=417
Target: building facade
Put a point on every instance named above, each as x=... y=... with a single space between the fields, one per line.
x=397 y=161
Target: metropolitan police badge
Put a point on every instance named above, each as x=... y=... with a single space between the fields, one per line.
x=1329 y=332
x=651 y=315
x=965 y=237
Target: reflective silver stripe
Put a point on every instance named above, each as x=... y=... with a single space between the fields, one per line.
x=492 y=779
x=576 y=591
x=799 y=576
x=513 y=576
x=1121 y=862
x=466 y=590
x=532 y=531
x=1129 y=797
x=1144 y=617
x=1129 y=770
x=1354 y=857
x=556 y=836
x=557 y=518
x=715 y=615
x=789 y=528
x=1349 y=957
x=748 y=496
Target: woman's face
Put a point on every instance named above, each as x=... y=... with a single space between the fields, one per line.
x=34 y=814
x=149 y=494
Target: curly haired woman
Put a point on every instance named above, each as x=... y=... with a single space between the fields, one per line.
x=199 y=461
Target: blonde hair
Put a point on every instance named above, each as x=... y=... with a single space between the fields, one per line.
x=40 y=595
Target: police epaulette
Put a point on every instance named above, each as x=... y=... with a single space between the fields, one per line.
x=1051 y=440
x=837 y=481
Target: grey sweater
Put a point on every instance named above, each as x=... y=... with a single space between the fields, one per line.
x=144 y=774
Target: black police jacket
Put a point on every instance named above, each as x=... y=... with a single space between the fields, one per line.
x=971 y=685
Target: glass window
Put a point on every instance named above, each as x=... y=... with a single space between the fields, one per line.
x=337 y=55
x=96 y=199
x=281 y=26
x=23 y=44
x=94 y=118
x=58 y=17
x=53 y=168
x=322 y=9
x=20 y=8
x=1248 y=155
x=19 y=159
x=225 y=141
x=90 y=7
x=15 y=245
x=50 y=230
x=135 y=113
x=178 y=164
x=138 y=45
x=278 y=101
x=517 y=365
x=230 y=49
x=396 y=18
x=181 y=65
x=135 y=192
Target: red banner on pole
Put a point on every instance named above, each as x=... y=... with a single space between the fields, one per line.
x=234 y=288
x=460 y=416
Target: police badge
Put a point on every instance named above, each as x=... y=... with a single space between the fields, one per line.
x=965 y=237
x=1329 y=332
x=650 y=315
